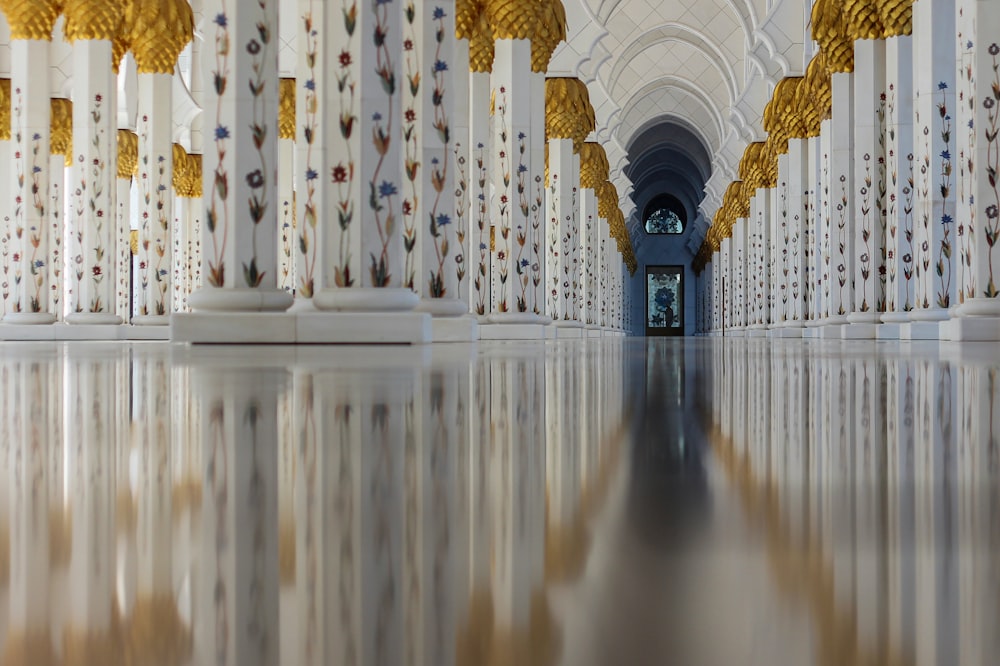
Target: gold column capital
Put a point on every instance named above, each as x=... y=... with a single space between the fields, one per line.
x=61 y=132
x=92 y=19
x=31 y=19
x=594 y=166
x=128 y=154
x=286 y=109
x=158 y=31
x=4 y=109
x=568 y=111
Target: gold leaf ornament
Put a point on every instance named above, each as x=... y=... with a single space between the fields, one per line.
x=158 y=32
x=31 y=19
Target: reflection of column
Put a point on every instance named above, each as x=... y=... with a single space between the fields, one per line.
x=936 y=584
x=91 y=632
x=91 y=27
x=29 y=624
x=31 y=31
x=236 y=611
x=158 y=33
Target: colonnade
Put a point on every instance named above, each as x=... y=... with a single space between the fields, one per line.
x=871 y=209
x=413 y=176
x=198 y=507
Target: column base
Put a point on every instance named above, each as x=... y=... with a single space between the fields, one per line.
x=888 y=331
x=454 y=329
x=151 y=320
x=243 y=299
x=82 y=332
x=564 y=332
x=757 y=332
x=788 y=329
x=920 y=330
x=971 y=329
x=592 y=331
x=145 y=332
x=365 y=328
x=495 y=331
x=93 y=319
x=29 y=318
x=362 y=328
x=516 y=318
x=442 y=307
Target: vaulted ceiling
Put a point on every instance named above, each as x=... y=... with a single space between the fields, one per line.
x=680 y=87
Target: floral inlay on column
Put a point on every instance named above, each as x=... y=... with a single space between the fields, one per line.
x=943 y=265
x=308 y=245
x=217 y=215
x=381 y=190
x=991 y=133
x=259 y=51
x=342 y=175
x=481 y=282
x=439 y=220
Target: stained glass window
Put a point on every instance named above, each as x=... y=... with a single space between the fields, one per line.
x=664 y=221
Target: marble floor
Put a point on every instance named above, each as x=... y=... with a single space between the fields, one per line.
x=599 y=502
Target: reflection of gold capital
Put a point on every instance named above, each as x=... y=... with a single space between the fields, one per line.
x=31 y=19
x=134 y=241
x=156 y=633
x=29 y=649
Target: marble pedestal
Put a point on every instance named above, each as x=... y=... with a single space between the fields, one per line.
x=756 y=332
x=97 y=332
x=785 y=332
x=454 y=329
x=889 y=331
x=398 y=328
x=569 y=330
x=970 y=329
x=512 y=331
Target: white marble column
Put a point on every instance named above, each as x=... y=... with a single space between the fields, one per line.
x=563 y=234
x=480 y=195
x=760 y=286
x=977 y=315
x=869 y=187
x=287 y=99
x=91 y=28
x=899 y=245
x=934 y=131
x=314 y=180
x=825 y=216
x=513 y=184
x=431 y=273
x=798 y=185
x=841 y=199
x=738 y=249
x=813 y=239
x=156 y=58
x=127 y=168
x=6 y=230
x=239 y=245
x=31 y=243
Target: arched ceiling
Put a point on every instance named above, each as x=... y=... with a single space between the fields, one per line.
x=680 y=87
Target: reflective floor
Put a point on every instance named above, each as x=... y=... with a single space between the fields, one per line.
x=632 y=502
